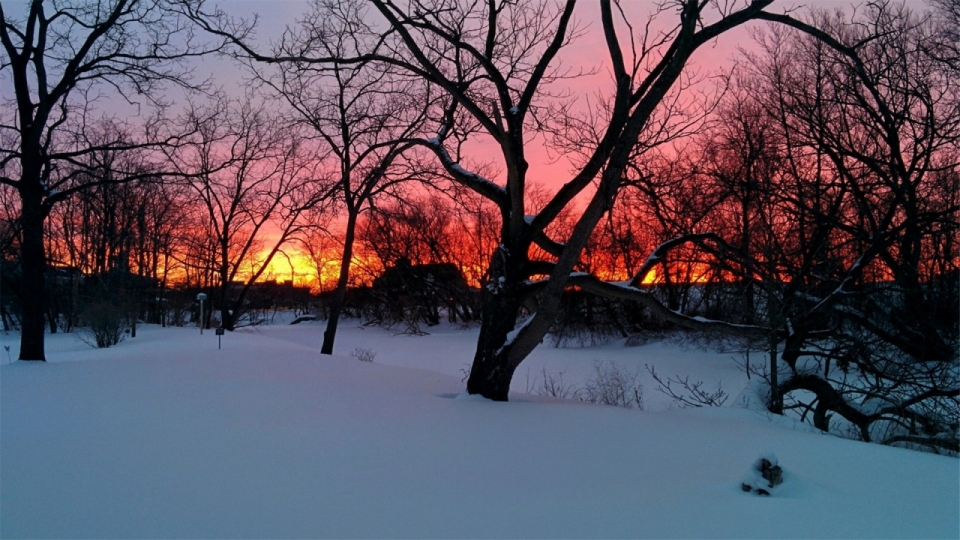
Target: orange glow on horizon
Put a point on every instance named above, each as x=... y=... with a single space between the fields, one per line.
x=687 y=273
x=298 y=267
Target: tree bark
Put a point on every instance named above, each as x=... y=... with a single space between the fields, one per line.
x=340 y=293
x=227 y=321
x=33 y=262
x=492 y=368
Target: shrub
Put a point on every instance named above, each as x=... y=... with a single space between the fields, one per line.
x=106 y=324
x=363 y=355
x=614 y=385
x=610 y=384
x=553 y=386
x=687 y=393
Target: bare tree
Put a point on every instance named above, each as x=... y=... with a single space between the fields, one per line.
x=507 y=52
x=320 y=242
x=363 y=112
x=98 y=231
x=255 y=177
x=945 y=37
x=856 y=253
x=479 y=225
x=494 y=62
x=419 y=229
x=417 y=240
x=64 y=60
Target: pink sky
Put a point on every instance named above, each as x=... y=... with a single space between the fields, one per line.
x=588 y=52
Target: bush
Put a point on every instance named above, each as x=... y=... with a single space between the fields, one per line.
x=609 y=385
x=363 y=355
x=105 y=323
x=687 y=393
x=553 y=386
x=614 y=385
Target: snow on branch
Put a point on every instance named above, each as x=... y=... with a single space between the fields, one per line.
x=852 y=274
x=658 y=254
x=470 y=179
x=627 y=291
x=513 y=334
x=832 y=399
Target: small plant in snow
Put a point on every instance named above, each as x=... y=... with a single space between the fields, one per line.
x=363 y=355
x=614 y=385
x=610 y=385
x=689 y=394
x=553 y=386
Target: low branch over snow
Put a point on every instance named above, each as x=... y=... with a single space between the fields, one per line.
x=608 y=289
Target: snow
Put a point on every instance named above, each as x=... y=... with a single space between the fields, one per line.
x=165 y=436
x=458 y=169
x=512 y=335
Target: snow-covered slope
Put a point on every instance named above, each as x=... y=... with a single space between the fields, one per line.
x=166 y=436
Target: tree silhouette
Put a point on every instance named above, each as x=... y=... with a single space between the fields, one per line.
x=65 y=59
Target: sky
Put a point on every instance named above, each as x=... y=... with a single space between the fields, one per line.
x=588 y=52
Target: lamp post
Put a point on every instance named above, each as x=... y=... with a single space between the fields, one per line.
x=201 y=298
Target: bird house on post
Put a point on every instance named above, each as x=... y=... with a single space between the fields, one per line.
x=219 y=333
x=201 y=298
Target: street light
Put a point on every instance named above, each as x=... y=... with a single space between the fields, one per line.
x=201 y=298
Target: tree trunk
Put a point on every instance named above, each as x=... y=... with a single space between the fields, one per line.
x=5 y=317
x=492 y=369
x=776 y=397
x=135 y=313
x=502 y=300
x=501 y=348
x=51 y=316
x=33 y=263
x=227 y=321
x=340 y=293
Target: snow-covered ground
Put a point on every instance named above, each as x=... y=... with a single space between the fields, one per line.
x=166 y=436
